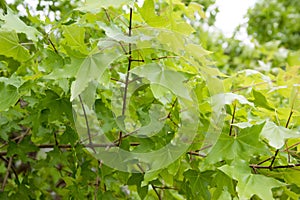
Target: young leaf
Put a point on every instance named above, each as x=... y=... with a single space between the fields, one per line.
x=13 y=23
x=245 y=145
x=74 y=37
x=115 y=33
x=148 y=13
x=260 y=100
x=9 y=96
x=250 y=184
x=198 y=182
x=164 y=77
x=10 y=47
x=91 y=68
x=219 y=100
x=276 y=135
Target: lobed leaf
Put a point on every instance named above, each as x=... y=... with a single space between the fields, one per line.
x=14 y=23
x=250 y=184
x=10 y=47
x=91 y=68
x=276 y=135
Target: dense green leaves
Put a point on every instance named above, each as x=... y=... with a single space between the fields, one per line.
x=137 y=100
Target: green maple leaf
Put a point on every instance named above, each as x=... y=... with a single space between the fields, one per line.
x=276 y=135
x=91 y=68
x=164 y=78
x=198 y=182
x=116 y=33
x=147 y=11
x=9 y=96
x=14 y=23
x=74 y=38
x=250 y=184
x=260 y=100
x=219 y=100
x=10 y=47
x=245 y=145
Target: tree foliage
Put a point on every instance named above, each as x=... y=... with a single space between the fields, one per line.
x=116 y=100
x=278 y=20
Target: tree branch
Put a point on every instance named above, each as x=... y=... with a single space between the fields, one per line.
x=127 y=76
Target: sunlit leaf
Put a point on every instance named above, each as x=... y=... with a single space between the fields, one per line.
x=91 y=68
x=169 y=79
x=242 y=146
x=219 y=100
x=276 y=135
x=9 y=96
x=13 y=23
x=74 y=37
x=250 y=184
x=10 y=47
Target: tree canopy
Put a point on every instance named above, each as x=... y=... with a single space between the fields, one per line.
x=142 y=100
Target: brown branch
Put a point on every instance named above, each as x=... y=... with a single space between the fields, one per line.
x=19 y=137
x=164 y=57
x=155 y=190
x=292 y=146
x=7 y=173
x=127 y=75
x=169 y=114
x=274 y=167
x=12 y=168
x=68 y=146
x=87 y=124
x=53 y=46
x=232 y=119
x=262 y=162
x=196 y=154
x=166 y=188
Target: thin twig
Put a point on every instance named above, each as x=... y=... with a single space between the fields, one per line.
x=87 y=124
x=53 y=46
x=7 y=173
x=286 y=126
x=17 y=138
x=164 y=57
x=262 y=162
x=232 y=119
x=196 y=154
x=127 y=76
x=68 y=146
x=12 y=168
x=275 y=167
x=155 y=190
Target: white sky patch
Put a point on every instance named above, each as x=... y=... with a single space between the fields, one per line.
x=232 y=14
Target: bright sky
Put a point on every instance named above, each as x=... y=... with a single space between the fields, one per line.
x=231 y=14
